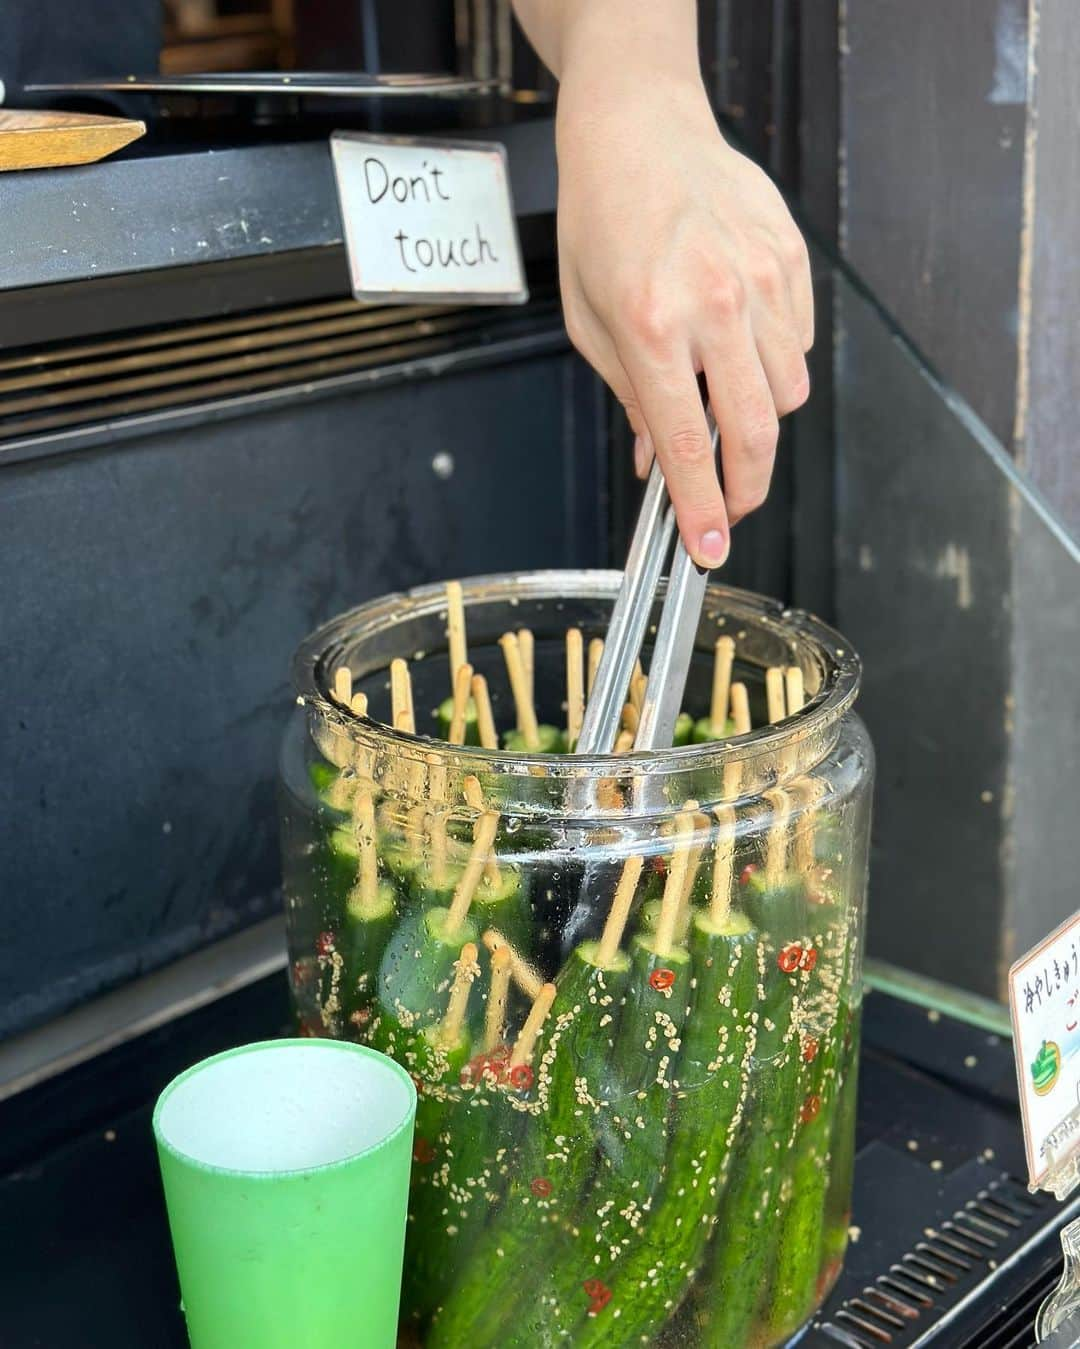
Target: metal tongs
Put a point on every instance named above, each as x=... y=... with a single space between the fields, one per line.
x=674 y=643
x=670 y=664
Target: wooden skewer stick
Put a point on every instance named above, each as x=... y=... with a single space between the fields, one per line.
x=668 y=921
x=575 y=684
x=364 y=816
x=462 y=686
x=795 y=697
x=401 y=705
x=437 y=836
x=723 y=660
x=619 y=912
x=343 y=685
x=466 y=970
x=455 y=628
x=810 y=791
x=358 y=704
x=526 y=646
x=474 y=796
x=485 y=721
x=631 y=718
x=624 y=742
x=777 y=843
x=437 y=790
x=436 y=819
x=774 y=693
x=793 y=688
x=525 y=976
x=498 y=995
x=524 y=1045
x=693 y=866
x=483 y=839
x=526 y=713
x=638 y=684
x=596 y=650
x=723 y=864
x=740 y=709
x=740 y=716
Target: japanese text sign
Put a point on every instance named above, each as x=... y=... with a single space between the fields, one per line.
x=1044 y=998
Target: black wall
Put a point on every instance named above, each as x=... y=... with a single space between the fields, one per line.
x=155 y=587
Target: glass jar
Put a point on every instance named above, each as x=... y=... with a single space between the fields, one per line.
x=627 y=986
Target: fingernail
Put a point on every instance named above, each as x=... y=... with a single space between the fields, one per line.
x=713 y=549
x=639 y=456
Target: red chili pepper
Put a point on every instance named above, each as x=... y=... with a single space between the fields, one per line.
x=662 y=980
x=325 y=945
x=521 y=1076
x=746 y=873
x=810 y=1108
x=808 y=959
x=418 y=1083
x=810 y=1049
x=659 y=865
x=789 y=957
x=540 y=1186
x=599 y=1295
x=423 y=1152
x=309 y=1031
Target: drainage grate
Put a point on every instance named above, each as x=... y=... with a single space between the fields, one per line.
x=142 y=372
x=943 y=1267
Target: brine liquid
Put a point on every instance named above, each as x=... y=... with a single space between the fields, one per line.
x=671 y=1208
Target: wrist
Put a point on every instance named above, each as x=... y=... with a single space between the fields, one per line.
x=630 y=42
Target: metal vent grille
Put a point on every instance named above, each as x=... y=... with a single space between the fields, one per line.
x=939 y=1270
x=144 y=372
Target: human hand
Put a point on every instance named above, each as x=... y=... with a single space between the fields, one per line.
x=678 y=256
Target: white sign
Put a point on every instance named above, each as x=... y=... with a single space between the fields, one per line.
x=1044 y=999
x=431 y=219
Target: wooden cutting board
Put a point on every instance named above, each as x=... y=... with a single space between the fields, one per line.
x=48 y=140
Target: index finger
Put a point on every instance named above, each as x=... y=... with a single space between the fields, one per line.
x=670 y=403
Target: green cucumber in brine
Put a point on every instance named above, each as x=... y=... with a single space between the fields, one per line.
x=322 y=776
x=633 y=1136
x=552 y=741
x=842 y=1151
x=415 y=970
x=800 y=1233
x=501 y=903
x=684 y=730
x=798 y=1242
x=639 y=1293
x=445 y=715
x=438 y=1059
x=337 y=867
x=742 y=1255
x=552 y=1163
x=460 y=1170
x=416 y=967
x=466 y=1171
x=703 y=732
x=369 y=922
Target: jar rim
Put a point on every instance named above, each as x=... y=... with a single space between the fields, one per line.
x=839 y=666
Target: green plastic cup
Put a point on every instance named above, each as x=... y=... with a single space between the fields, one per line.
x=286 y=1171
